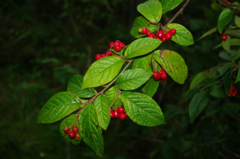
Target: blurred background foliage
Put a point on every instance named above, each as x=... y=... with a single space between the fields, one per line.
x=44 y=43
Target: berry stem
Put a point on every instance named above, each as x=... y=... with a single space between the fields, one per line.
x=101 y=92
x=179 y=12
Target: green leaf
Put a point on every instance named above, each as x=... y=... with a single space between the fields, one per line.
x=197 y=80
x=217 y=91
x=173 y=64
x=182 y=36
x=111 y=95
x=141 y=22
x=224 y=18
x=235 y=42
x=197 y=104
x=235 y=33
x=208 y=33
x=152 y=10
x=226 y=44
x=141 y=47
x=227 y=81
x=142 y=109
x=224 y=69
x=58 y=106
x=210 y=73
x=103 y=111
x=75 y=86
x=133 y=78
x=218 y=46
x=237 y=20
x=168 y=5
x=225 y=55
x=238 y=76
x=90 y=129
x=150 y=87
x=69 y=121
x=143 y=63
x=102 y=71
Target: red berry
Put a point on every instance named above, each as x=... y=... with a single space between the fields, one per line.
x=160 y=34
x=230 y=3
x=144 y=31
x=155 y=74
x=120 y=110
x=117 y=42
x=230 y=91
x=103 y=55
x=168 y=35
x=163 y=75
x=122 y=45
x=111 y=44
x=224 y=37
x=122 y=116
x=163 y=80
x=151 y=36
x=148 y=32
x=173 y=31
x=98 y=56
x=163 y=39
x=108 y=53
x=71 y=134
x=75 y=129
x=162 y=70
x=111 y=114
x=117 y=48
x=66 y=129
x=116 y=114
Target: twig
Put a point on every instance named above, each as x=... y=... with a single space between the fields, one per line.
x=225 y=4
x=179 y=12
x=90 y=100
x=115 y=98
x=213 y=142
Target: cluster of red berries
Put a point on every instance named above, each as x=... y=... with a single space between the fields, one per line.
x=117 y=46
x=119 y=113
x=162 y=75
x=232 y=92
x=160 y=34
x=72 y=133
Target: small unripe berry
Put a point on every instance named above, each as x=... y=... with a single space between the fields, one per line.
x=140 y=30
x=120 y=110
x=117 y=48
x=163 y=39
x=173 y=31
x=77 y=137
x=122 y=116
x=151 y=36
x=98 y=56
x=148 y=32
x=108 y=53
x=71 y=134
x=122 y=45
x=224 y=37
x=117 y=42
x=111 y=114
x=111 y=44
x=75 y=129
x=116 y=114
x=66 y=129
x=168 y=35
x=144 y=31
x=160 y=34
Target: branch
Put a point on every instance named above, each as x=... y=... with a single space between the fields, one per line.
x=115 y=98
x=90 y=100
x=179 y=12
x=225 y=4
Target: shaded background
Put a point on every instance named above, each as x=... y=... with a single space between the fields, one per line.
x=44 y=43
